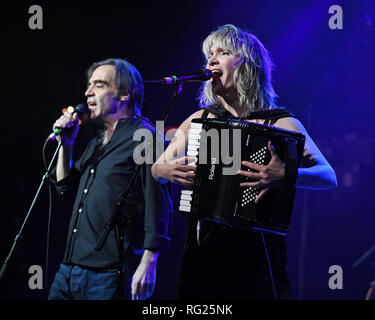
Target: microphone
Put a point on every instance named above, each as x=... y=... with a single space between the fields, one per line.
x=80 y=109
x=199 y=75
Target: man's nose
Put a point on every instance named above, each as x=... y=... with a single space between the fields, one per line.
x=89 y=92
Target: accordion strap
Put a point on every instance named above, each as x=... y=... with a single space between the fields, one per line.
x=205 y=113
x=287 y=187
x=270 y=116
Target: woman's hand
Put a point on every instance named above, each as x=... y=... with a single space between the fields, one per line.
x=267 y=176
x=176 y=171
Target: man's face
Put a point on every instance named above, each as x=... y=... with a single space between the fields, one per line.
x=100 y=93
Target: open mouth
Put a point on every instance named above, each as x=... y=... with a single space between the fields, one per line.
x=216 y=73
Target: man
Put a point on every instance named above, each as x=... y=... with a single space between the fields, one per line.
x=114 y=96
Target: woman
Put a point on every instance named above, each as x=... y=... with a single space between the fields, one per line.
x=219 y=262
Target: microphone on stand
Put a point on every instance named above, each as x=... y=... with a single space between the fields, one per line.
x=199 y=75
x=80 y=109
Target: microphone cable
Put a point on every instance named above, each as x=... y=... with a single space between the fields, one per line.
x=270 y=269
x=49 y=217
x=138 y=115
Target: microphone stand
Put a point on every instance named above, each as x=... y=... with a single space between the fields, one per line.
x=19 y=235
x=122 y=197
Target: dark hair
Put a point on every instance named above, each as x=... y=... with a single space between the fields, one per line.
x=127 y=79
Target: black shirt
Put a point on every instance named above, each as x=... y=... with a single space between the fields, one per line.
x=97 y=178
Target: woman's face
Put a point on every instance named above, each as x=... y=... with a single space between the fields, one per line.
x=222 y=63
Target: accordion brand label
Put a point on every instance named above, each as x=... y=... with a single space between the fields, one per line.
x=212 y=169
x=247 y=140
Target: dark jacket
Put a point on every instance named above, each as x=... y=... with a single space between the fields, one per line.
x=97 y=179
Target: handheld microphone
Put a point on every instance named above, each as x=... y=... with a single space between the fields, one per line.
x=80 y=109
x=199 y=75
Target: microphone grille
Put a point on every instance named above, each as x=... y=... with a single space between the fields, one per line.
x=207 y=74
x=81 y=108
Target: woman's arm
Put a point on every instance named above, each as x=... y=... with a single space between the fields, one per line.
x=171 y=166
x=315 y=171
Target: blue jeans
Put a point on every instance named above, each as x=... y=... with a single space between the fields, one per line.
x=75 y=283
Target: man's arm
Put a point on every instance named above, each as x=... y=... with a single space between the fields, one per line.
x=64 y=162
x=65 y=183
x=144 y=278
x=158 y=215
x=68 y=122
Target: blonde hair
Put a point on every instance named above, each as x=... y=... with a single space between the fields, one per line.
x=252 y=77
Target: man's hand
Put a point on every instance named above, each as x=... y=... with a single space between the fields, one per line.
x=143 y=282
x=268 y=176
x=69 y=122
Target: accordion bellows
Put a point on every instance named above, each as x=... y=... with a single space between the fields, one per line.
x=219 y=146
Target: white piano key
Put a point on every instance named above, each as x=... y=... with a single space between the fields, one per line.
x=186 y=191
x=195 y=125
x=192 y=153
x=193 y=136
x=193 y=142
x=185 y=209
x=195 y=131
x=193 y=147
x=185 y=203
x=186 y=197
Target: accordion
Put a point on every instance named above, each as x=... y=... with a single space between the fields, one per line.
x=219 y=146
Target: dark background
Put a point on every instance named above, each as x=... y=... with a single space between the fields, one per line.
x=325 y=77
